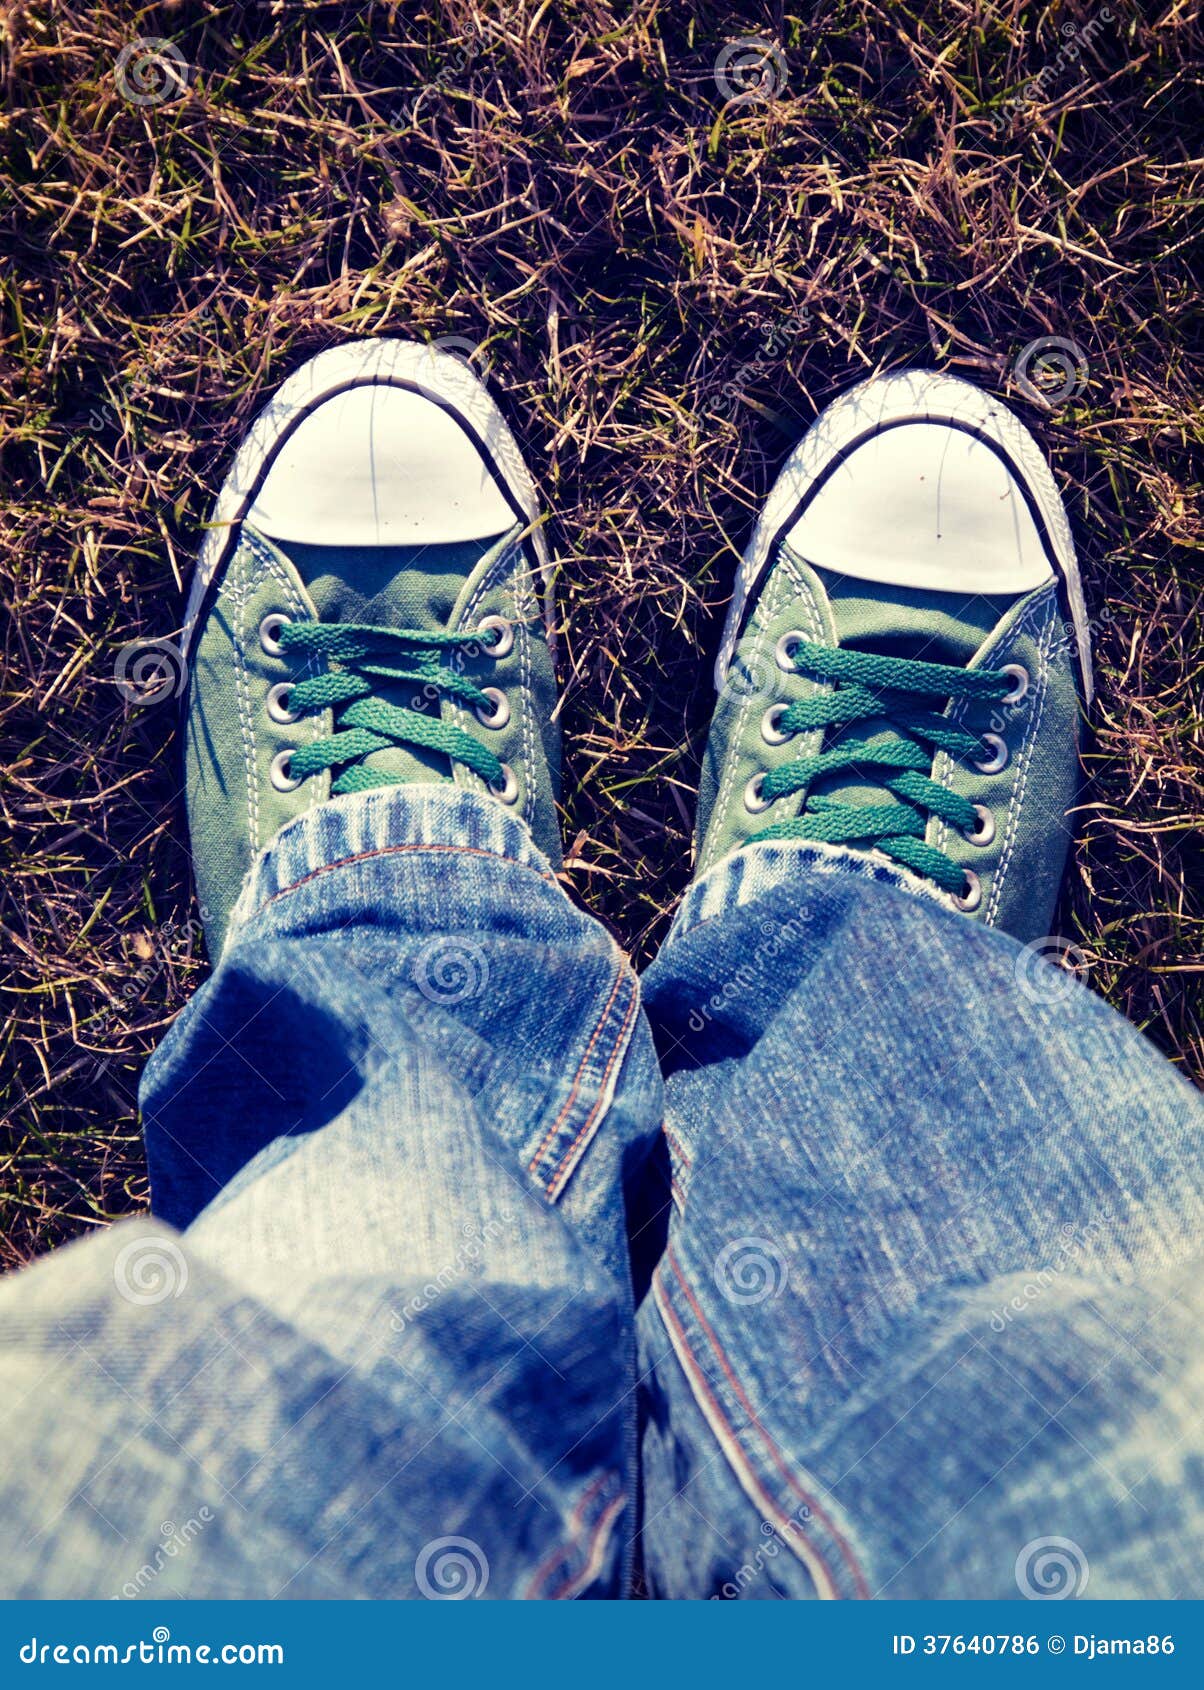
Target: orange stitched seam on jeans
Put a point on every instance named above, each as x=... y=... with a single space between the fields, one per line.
x=572 y=1097
x=550 y=1562
x=579 y=1581
x=700 y=1385
x=620 y=1047
x=396 y=850
x=779 y=1462
x=676 y=1145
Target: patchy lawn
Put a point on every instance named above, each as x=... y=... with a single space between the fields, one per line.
x=665 y=272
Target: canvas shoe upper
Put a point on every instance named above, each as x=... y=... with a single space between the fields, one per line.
x=901 y=666
x=371 y=605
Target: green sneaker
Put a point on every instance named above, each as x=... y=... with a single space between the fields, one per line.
x=898 y=673
x=371 y=605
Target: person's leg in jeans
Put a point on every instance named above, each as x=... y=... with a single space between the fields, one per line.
x=928 y=1323
x=391 y=1351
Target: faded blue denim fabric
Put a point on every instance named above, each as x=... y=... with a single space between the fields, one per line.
x=933 y=1289
x=926 y=1320
x=392 y=1354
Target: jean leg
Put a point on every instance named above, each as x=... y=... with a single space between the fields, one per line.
x=390 y=1352
x=928 y=1322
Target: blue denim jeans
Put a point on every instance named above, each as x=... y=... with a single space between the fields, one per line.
x=863 y=1259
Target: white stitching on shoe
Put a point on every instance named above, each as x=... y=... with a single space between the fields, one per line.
x=1011 y=826
x=239 y=592
x=945 y=763
x=802 y=591
x=815 y=627
x=525 y=608
x=815 y=622
x=460 y=715
x=317 y=724
x=759 y=647
x=944 y=775
x=729 y=774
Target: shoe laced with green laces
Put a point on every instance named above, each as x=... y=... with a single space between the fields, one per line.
x=897 y=695
x=363 y=657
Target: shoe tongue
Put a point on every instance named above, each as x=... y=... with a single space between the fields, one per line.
x=388 y=586
x=392 y=587
x=894 y=621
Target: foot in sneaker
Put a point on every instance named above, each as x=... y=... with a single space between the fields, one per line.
x=371 y=606
x=901 y=668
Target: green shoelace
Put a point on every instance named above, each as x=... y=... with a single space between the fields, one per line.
x=893 y=692
x=364 y=722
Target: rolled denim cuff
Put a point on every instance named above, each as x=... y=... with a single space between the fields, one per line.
x=359 y=826
x=755 y=869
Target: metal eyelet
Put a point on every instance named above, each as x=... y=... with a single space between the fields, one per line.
x=754 y=803
x=783 y=652
x=504 y=644
x=500 y=714
x=1021 y=677
x=985 y=831
x=770 y=731
x=280 y=777
x=972 y=896
x=507 y=793
x=269 y=630
x=998 y=758
x=278 y=709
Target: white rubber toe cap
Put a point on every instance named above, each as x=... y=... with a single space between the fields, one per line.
x=379 y=466
x=924 y=504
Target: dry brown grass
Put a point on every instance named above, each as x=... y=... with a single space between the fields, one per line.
x=562 y=185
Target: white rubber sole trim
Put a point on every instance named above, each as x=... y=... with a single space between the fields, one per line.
x=910 y=396
x=445 y=379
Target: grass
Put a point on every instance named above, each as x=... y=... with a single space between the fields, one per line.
x=664 y=288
